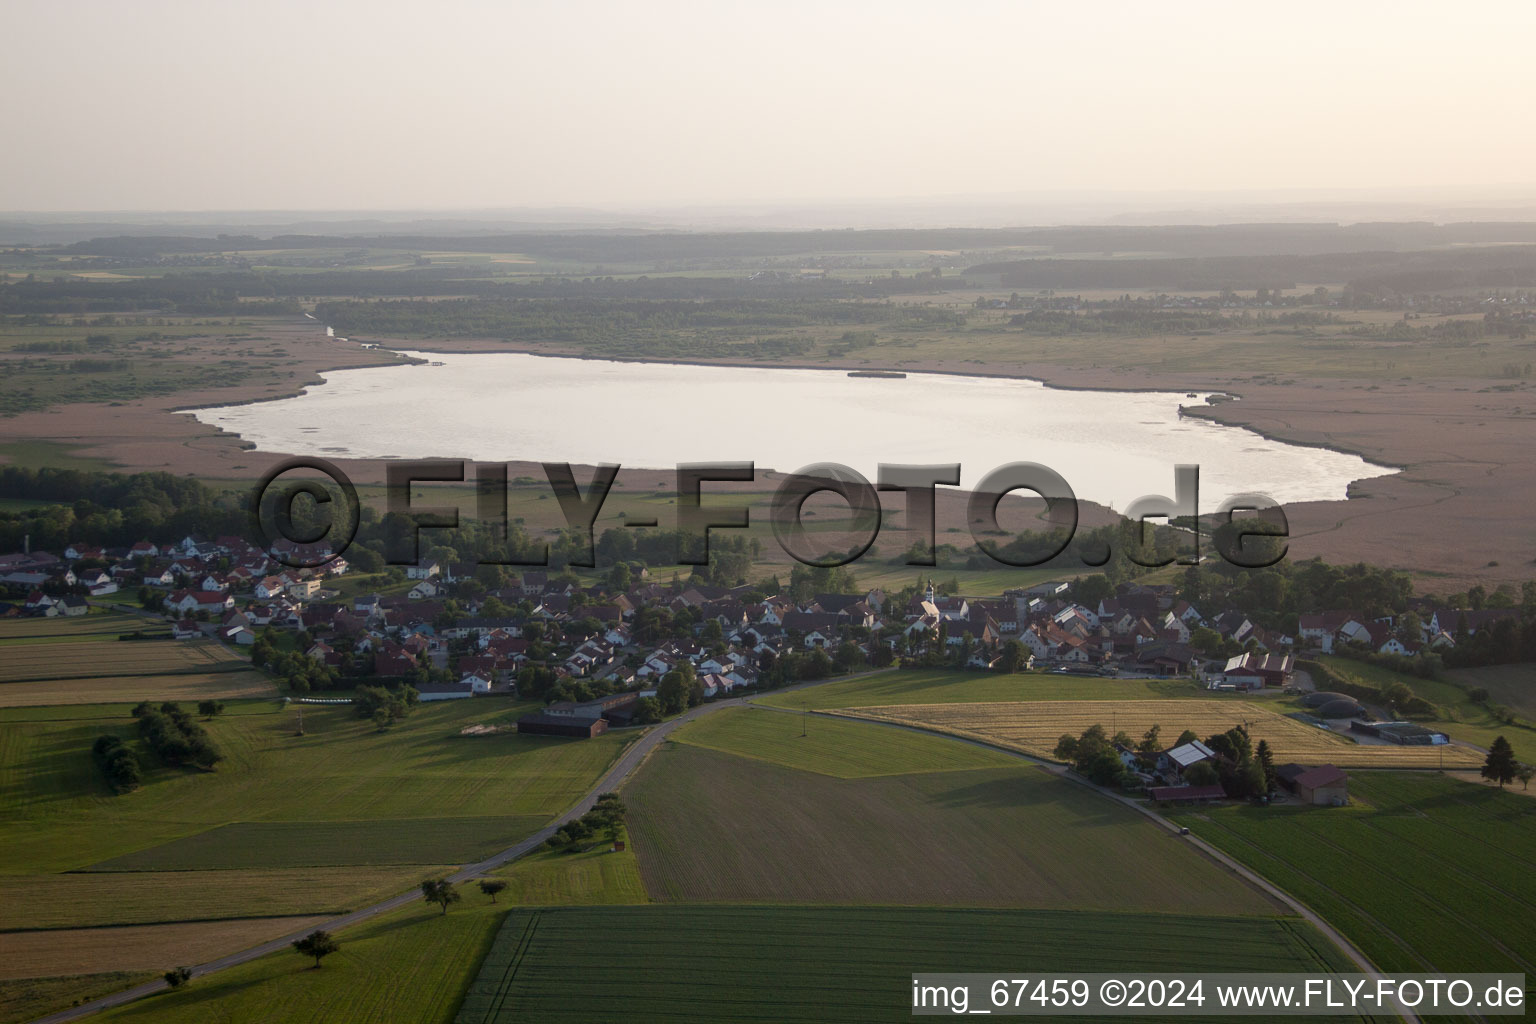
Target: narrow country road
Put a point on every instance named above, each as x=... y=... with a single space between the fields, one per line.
x=627 y=762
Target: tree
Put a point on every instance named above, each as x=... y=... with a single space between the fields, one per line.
x=440 y=891
x=1525 y=773
x=1202 y=774
x=1396 y=693
x=1501 y=764
x=317 y=944
x=492 y=886
x=1266 y=758
x=178 y=977
x=1066 y=747
x=210 y=708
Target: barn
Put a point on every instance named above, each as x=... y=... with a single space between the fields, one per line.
x=1323 y=786
x=542 y=723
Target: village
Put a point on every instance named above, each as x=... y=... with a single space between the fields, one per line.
x=597 y=653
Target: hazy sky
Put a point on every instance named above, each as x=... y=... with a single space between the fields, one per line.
x=369 y=104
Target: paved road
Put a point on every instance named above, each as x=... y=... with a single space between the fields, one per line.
x=628 y=761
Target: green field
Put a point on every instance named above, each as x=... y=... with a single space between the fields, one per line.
x=600 y=875
x=824 y=964
x=946 y=686
x=295 y=844
x=83 y=899
x=285 y=825
x=831 y=746
x=342 y=769
x=974 y=828
x=409 y=966
x=1514 y=686
x=1422 y=872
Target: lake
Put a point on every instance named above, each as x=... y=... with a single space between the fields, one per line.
x=1111 y=446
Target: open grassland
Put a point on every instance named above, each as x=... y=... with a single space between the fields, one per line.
x=412 y=965
x=946 y=686
x=829 y=746
x=1424 y=873
x=713 y=827
x=1514 y=686
x=78 y=900
x=62 y=817
x=25 y=999
x=826 y=964
x=292 y=844
x=600 y=875
x=1034 y=727
x=39 y=954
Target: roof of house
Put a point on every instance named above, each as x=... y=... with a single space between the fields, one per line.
x=1322 y=775
x=1190 y=753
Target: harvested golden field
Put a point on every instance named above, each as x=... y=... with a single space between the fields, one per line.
x=155 y=947
x=86 y=658
x=132 y=689
x=1035 y=726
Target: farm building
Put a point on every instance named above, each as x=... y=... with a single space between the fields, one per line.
x=542 y=723
x=1250 y=671
x=588 y=718
x=1186 y=794
x=1323 y=786
x=1404 y=734
x=1191 y=753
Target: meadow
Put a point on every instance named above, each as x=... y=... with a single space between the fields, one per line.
x=1511 y=685
x=829 y=964
x=1034 y=727
x=829 y=746
x=947 y=686
x=410 y=965
x=205 y=861
x=878 y=826
x=1422 y=872
x=293 y=844
x=103 y=898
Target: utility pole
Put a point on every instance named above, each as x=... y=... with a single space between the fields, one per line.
x=805 y=712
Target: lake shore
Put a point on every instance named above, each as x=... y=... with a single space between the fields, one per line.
x=1459 y=502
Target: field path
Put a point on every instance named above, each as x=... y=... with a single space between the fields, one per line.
x=626 y=764
x=1306 y=913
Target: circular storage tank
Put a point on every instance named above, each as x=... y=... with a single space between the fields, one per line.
x=1342 y=708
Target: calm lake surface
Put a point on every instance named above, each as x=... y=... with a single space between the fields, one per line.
x=1112 y=447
